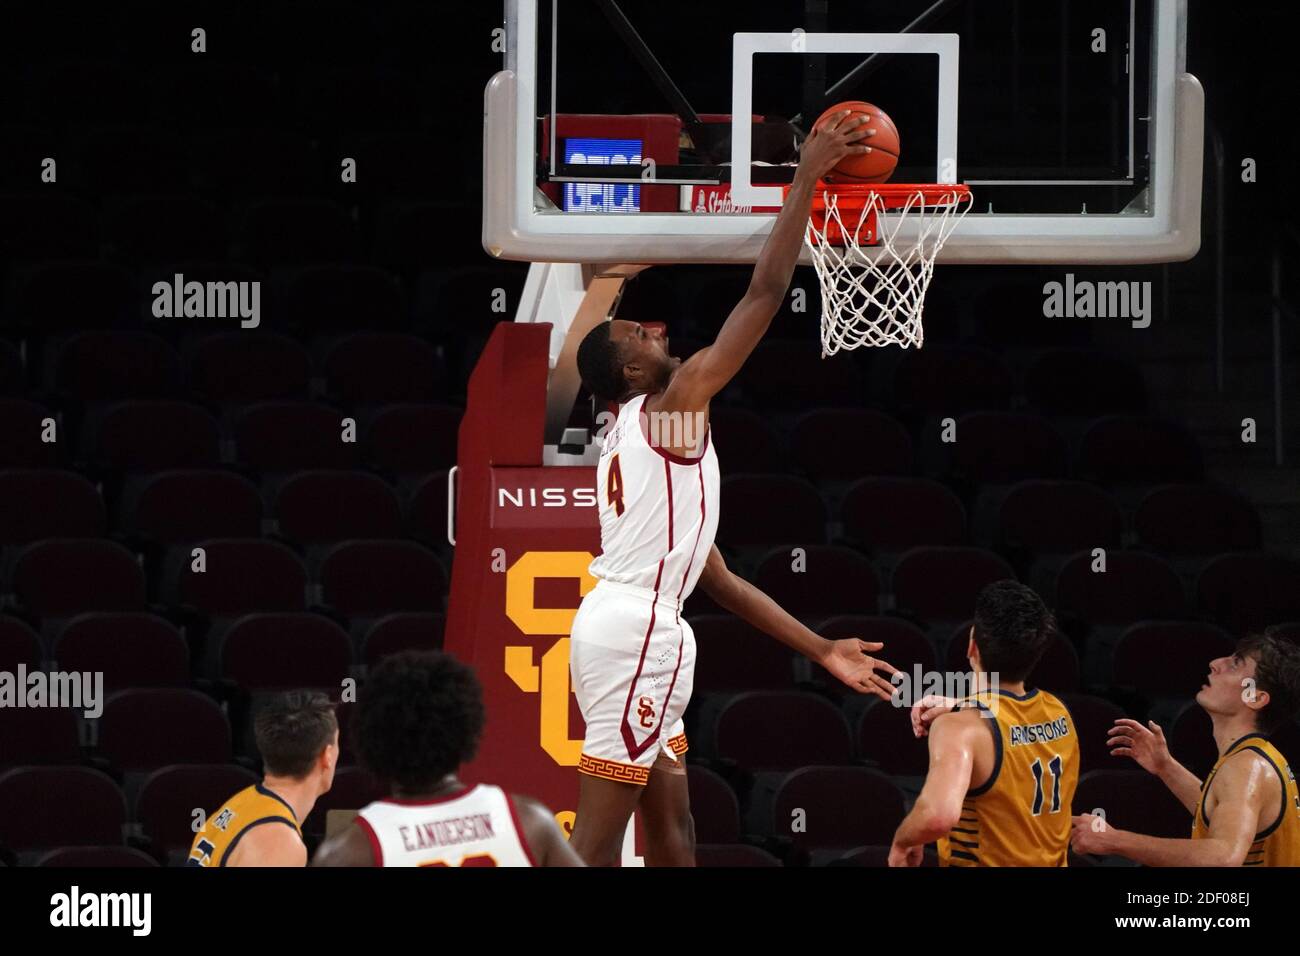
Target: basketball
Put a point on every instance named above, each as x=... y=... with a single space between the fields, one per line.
x=873 y=167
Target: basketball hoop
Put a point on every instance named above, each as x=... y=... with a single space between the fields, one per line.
x=876 y=297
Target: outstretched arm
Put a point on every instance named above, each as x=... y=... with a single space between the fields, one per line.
x=846 y=659
x=709 y=370
x=1241 y=786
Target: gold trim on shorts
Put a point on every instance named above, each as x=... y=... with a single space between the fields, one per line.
x=613 y=770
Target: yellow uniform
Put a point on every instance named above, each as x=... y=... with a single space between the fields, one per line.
x=251 y=807
x=1279 y=843
x=1021 y=815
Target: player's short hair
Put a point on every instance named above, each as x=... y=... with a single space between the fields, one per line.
x=1012 y=629
x=419 y=717
x=1277 y=671
x=600 y=363
x=291 y=730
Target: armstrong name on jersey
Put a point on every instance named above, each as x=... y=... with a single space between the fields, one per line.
x=1036 y=733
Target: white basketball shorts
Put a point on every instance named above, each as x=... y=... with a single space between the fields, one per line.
x=632 y=660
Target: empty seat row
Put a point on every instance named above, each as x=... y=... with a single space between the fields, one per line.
x=63 y=577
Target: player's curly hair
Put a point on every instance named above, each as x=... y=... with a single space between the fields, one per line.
x=1012 y=629
x=600 y=364
x=1277 y=671
x=419 y=717
x=292 y=729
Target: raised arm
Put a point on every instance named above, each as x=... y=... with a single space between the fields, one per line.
x=1242 y=785
x=709 y=370
x=1147 y=746
x=846 y=659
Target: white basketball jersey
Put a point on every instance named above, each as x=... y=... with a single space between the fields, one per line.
x=477 y=827
x=658 y=511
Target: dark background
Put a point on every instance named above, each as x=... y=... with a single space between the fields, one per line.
x=376 y=300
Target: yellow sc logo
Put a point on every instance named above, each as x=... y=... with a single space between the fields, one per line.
x=550 y=679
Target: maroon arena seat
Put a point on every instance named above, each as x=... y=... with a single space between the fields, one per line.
x=1133 y=800
x=368 y=367
x=315 y=507
x=45 y=503
x=96 y=857
x=1168 y=658
x=405 y=631
x=105 y=365
x=844 y=807
x=264 y=652
x=894 y=514
x=792 y=512
x=1250 y=591
x=749 y=443
x=147 y=729
x=1134 y=587
x=1126 y=449
x=61 y=577
x=1093 y=718
x=248 y=366
x=413 y=438
x=1196 y=519
x=950 y=380
x=21 y=424
x=1064 y=382
x=713 y=806
x=177 y=507
x=47 y=807
x=885 y=736
x=776 y=730
x=833 y=580
x=1002 y=447
x=140 y=436
x=1059 y=517
x=732 y=855
x=941 y=584
x=242 y=575
x=18 y=645
x=843 y=444
x=370 y=578
x=39 y=735
x=290 y=436
x=732 y=655
x=131 y=649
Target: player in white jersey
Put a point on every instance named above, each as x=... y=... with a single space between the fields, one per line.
x=420 y=714
x=632 y=656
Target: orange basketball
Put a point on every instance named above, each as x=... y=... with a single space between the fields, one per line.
x=873 y=167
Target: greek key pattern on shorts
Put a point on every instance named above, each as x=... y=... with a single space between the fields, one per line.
x=678 y=744
x=613 y=770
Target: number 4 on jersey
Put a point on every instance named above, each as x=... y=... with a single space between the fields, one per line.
x=614 y=486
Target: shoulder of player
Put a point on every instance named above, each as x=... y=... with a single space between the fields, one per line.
x=351 y=847
x=957 y=725
x=1245 y=767
x=528 y=812
x=276 y=842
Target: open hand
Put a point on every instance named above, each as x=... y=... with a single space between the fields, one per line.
x=925 y=710
x=1146 y=745
x=827 y=145
x=848 y=660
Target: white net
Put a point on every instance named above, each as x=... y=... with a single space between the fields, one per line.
x=876 y=297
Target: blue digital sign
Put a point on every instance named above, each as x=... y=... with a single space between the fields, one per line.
x=602 y=197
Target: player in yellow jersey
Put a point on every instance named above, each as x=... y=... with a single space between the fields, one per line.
x=1004 y=762
x=298 y=737
x=1247 y=812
